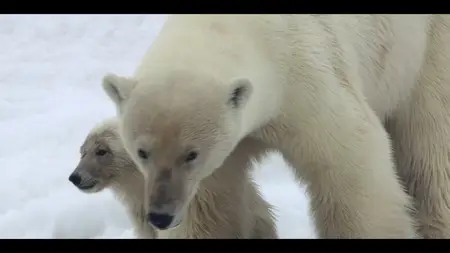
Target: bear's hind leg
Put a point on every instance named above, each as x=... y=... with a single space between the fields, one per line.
x=420 y=131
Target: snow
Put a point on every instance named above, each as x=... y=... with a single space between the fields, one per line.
x=51 y=67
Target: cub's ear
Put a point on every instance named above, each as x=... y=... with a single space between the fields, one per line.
x=118 y=88
x=240 y=91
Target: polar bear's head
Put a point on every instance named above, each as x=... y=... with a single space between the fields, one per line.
x=104 y=162
x=178 y=128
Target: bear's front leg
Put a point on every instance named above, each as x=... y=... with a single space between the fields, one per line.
x=343 y=154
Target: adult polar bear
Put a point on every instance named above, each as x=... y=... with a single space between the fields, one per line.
x=316 y=87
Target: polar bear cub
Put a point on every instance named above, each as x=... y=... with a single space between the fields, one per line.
x=226 y=205
x=335 y=94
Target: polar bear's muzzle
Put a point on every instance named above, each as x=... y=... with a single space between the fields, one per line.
x=83 y=183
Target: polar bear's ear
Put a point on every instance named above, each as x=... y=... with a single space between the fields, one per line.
x=118 y=88
x=240 y=91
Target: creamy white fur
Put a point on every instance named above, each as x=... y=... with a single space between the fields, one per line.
x=321 y=89
x=237 y=213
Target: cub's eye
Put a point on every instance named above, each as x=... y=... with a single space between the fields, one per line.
x=191 y=156
x=142 y=154
x=100 y=152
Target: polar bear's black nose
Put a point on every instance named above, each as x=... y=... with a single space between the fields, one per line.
x=75 y=179
x=160 y=220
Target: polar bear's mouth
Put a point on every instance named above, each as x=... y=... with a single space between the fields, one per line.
x=88 y=186
x=176 y=223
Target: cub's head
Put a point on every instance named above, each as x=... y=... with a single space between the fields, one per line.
x=178 y=128
x=103 y=159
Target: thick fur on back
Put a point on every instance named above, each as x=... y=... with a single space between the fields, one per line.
x=357 y=104
x=227 y=205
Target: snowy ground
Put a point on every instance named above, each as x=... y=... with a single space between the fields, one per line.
x=50 y=96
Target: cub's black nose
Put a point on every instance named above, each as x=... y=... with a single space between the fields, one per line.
x=75 y=179
x=160 y=220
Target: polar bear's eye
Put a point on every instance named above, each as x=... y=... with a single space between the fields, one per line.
x=100 y=152
x=142 y=154
x=191 y=156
